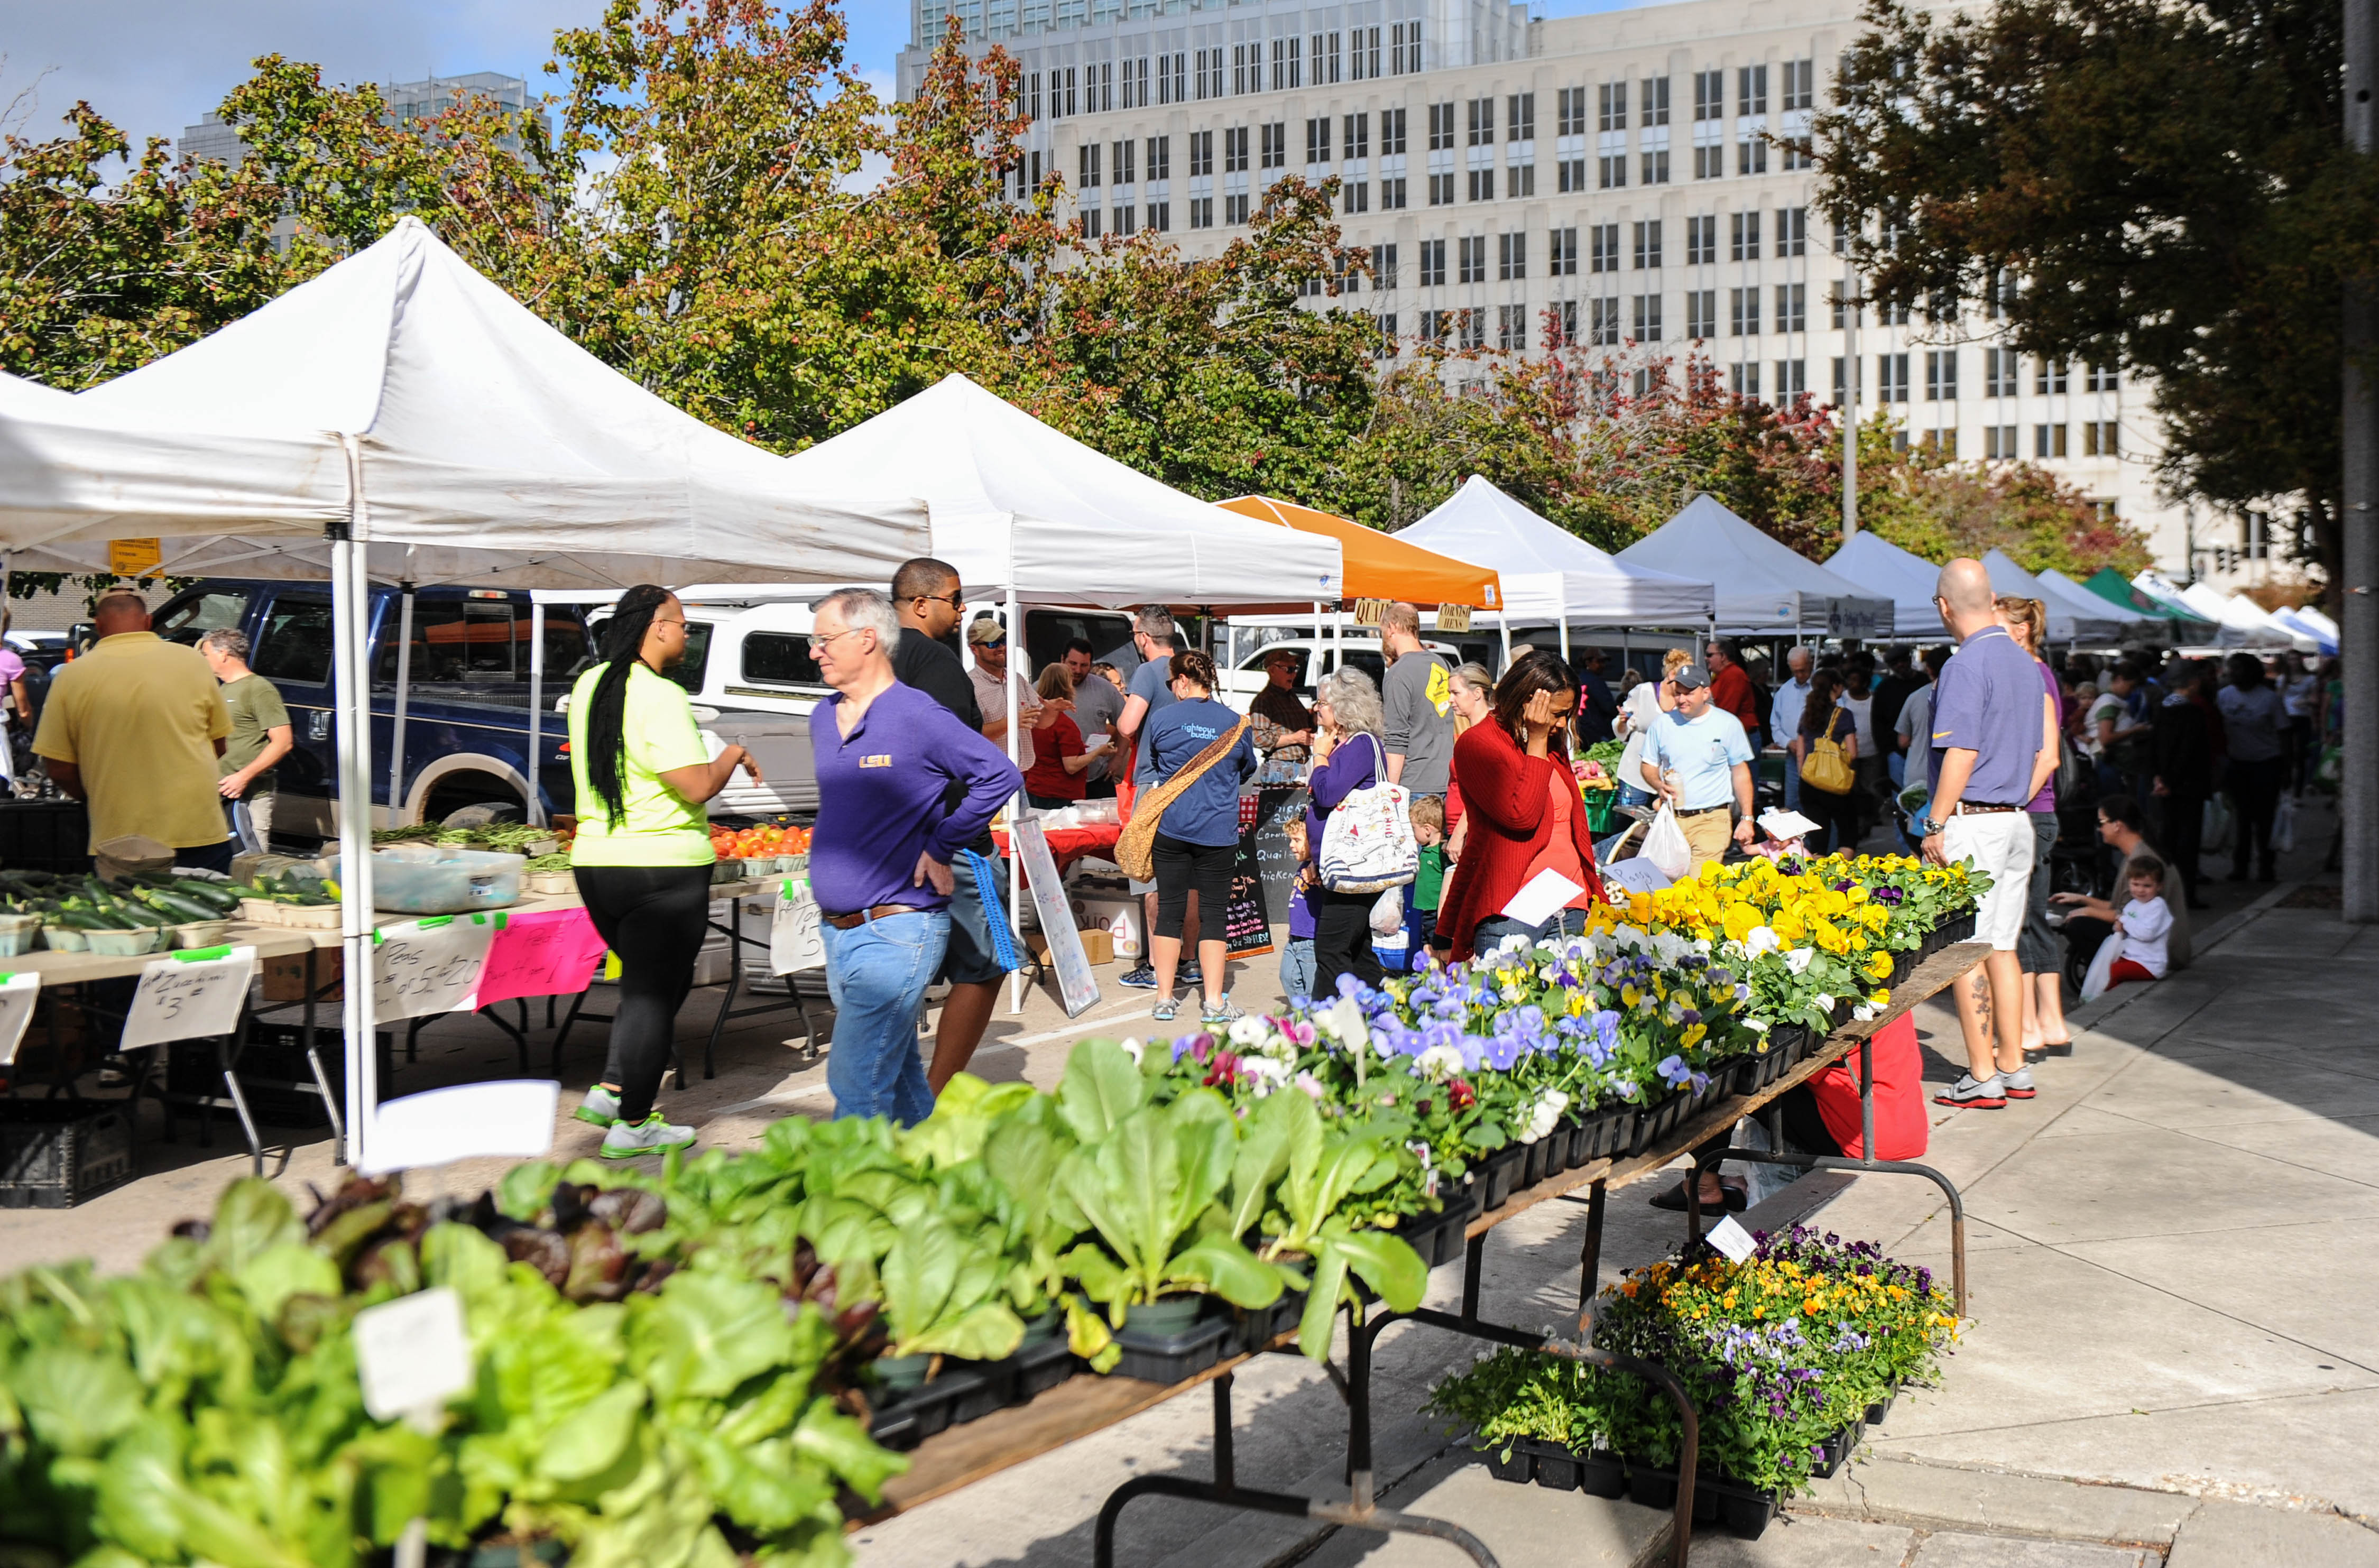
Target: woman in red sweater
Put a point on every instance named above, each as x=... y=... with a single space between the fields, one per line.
x=1522 y=810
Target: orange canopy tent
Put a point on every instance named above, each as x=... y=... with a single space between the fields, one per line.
x=1381 y=566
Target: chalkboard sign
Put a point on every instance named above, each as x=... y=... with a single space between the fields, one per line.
x=1275 y=861
x=1247 y=924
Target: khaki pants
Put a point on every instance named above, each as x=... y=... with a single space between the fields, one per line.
x=1708 y=834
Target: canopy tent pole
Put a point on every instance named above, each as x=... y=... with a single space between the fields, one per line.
x=1338 y=634
x=1015 y=808
x=352 y=696
x=1564 y=637
x=1504 y=621
x=536 y=703
x=404 y=690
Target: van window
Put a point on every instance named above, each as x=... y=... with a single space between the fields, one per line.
x=782 y=659
x=1368 y=660
x=295 y=642
x=461 y=641
x=1255 y=662
x=187 y=620
x=1046 y=633
x=689 y=670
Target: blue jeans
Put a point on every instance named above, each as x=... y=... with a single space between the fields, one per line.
x=1491 y=930
x=876 y=974
x=1297 y=967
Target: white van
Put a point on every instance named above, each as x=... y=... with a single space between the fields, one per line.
x=1245 y=676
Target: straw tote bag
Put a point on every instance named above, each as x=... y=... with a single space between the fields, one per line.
x=1136 y=851
x=1824 y=768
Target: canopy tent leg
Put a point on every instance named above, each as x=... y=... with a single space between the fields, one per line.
x=1015 y=807
x=350 y=603
x=1564 y=637
x=536 y=800
x=404 y=690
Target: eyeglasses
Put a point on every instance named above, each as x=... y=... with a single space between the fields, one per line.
x=817 y=642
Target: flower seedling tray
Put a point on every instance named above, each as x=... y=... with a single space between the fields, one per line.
x=1534 y=1158
x=1172 y=1358
x=908 y=1418
x=1497 y=1174
x=1520 y=1465
x=1838 y=1448
x=1438 y=1237
x=1604 y=1132
x=1037 y=1368
x=1595 y=1472
x=1253 y=1328
x=1744 y=1511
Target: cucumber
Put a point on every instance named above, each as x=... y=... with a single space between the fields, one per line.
x=184 y=909
x=218 y=896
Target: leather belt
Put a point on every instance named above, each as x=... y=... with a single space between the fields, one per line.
x=1980 y=808
x=879 y=911
x=1703 y=811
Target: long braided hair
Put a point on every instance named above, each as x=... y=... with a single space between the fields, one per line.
x=606 y=707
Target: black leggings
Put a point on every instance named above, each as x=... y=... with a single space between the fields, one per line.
x=655 y=918
x=1342 y=940
x=1184 y=868
x=1835 y=816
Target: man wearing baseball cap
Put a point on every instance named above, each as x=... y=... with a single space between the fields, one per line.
x=1698 y=756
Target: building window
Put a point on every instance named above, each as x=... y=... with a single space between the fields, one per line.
x=1317 y=141
x=1392 y=133
x=1564 y=319
x=1383 y=268
x=1404 y=48
x=1792 y=232
x=1800 y=153
x=1473 y=259
x=1440 y=189
x=1998 y=296
x=1520 y=116
x=1091 y=219
x=1572 y=176
x=1054 y=112
x=1841 y=392
x=1210 y=72
x=1325 y=59
x=1612 y=173
x=1160 y=217
x=1123 y=222
x=1610 y=113
x=1520 y=180
x=1701 y=313
x=1710 y=95
x=1656 y=167
x=1087 y=159
x=2098 y=438
x=1276 y=145
x=1287 y=64
x=1792 y=308
x=1891 y=378
x=1647 y=244
x=1999 y=442
x=1511 y=257
x=1032 y=96
x=1104 y=89
x=1159 y=157
x=1235 y=149
x=1355 y=196
x=1561 y=253
x=1202 y=211
x=1392 y=195
x=1710 y=160
x=1201 y=154
x=2102 y=380
x=1432 y=325
x=1123 y=162
x=1483 y=183
x=1791 y=377
x=1441 y=127
x=1474 y=330
x=1701 y=241
x=1386 y=346
x=1604 y=238
x=1432 y=262
x=1363 y=63
x=1653 y=95
x=1744 y=236
x=1800 y=85
x=1569 y=116
x=2049 y=378
x=1135 y=83
x=1751 y=153
x=1511 y=328
x=1247 y=67
x=1998 y=372
x=1602 y=322
x=1941 y=376
x=1177 y=79
x=1482 y=122
x=1647 y=318
x=1751 y=89
x=1743 y=305
x=1357 y=136
x=1743 y=378
x=2049 y=441
x=1941 y=443
x=1234 y=207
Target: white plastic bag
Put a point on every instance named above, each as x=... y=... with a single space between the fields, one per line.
x=2284 y=825
x=1388 y=914
x=1665 y=845
x=2102 y=962
x=794 y=940
x=2216 y=827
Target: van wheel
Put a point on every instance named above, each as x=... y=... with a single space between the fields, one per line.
x=483 y=814
x=472 y=792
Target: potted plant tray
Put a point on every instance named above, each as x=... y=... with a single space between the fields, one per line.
x=1744 y=1510
x=1171 y=1339
x=905 y=1418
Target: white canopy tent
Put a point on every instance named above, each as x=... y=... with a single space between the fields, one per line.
x=2295 y=620
x=2066 y=623
x=2130 y=624
x=402 y=413
x=1025 y=510
x=1763 y=584
x=2243 y=623
x=1905 y=578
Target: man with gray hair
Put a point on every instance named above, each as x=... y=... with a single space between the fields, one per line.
x=1784 y=717
x=903 y=786
x=1417 y=704
x=260 y=737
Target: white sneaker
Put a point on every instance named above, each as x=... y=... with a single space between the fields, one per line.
x=601 y=1107
x=627 y=1140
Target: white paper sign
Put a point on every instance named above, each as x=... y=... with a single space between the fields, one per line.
x=470 y=1121
x=1547 y=893
x=1732 y=1239
x=1787 y=824
x=190 y=996
x=412 y=1354
x=17 y=994
x=794 y=940
x=1076 y=988
x=431 y=965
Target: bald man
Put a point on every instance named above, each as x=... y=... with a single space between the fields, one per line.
x=1986 y=745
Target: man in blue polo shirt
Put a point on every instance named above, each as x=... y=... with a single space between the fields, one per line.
x=1699 y=756
x=1988 y=765
x=903 y=786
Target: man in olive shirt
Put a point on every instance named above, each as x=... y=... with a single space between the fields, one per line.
x=134 y=727
x=260 y=736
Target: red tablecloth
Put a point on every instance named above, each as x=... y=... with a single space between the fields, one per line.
x=1070 y=844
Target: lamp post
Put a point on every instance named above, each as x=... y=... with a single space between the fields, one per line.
x=1852 y=304
x=2357 y=615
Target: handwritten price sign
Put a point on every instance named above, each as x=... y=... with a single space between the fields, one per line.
x=542 y=953
x=429 y=966
x=190 y=996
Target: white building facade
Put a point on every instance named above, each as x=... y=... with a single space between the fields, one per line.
x=1644 y=173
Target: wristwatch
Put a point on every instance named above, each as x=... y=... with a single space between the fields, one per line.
x=1926 y=827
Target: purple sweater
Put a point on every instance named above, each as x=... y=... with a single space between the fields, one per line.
x=1354 y=766
x=880 y=797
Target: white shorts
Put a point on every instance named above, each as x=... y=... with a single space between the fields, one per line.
x=2000 y=843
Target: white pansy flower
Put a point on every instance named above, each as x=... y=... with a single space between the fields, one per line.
x=1798 y=960
x=1264 y=1073
x=1133 y=1046
x=1438 y=1063
x=1761 y=939
x=1825 y=1002
x=1248 y=1032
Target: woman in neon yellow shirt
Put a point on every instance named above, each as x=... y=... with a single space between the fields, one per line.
x=643 y=855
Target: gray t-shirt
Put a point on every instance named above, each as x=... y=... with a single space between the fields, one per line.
x=1417 y=698
x=1152 y=682
x=1096 y=704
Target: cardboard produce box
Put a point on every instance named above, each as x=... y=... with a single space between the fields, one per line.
x=1119 y=918
x=1098 y=946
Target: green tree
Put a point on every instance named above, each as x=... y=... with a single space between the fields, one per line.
x=2136 y=183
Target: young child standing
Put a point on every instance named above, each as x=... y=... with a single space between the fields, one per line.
x=2144 y=924
x=1407 y=947
x=1297 y=962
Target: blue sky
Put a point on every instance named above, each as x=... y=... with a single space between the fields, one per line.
x=156 y=65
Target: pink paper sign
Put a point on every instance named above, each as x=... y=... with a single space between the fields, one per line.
x=544 y=953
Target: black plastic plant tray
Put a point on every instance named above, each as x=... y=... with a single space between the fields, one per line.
x=909 y=1418
x=1497 y=1171
x=1037 y=1368
x=1255 y=1327
x=1533 y=1163
x=1744 y=1511
x=1605 y=1131
x=1169 y=1358
x=1595 y=1472
x=1520 y=1467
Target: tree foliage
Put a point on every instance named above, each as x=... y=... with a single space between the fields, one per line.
x=2144 y=183
x=712 y=202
